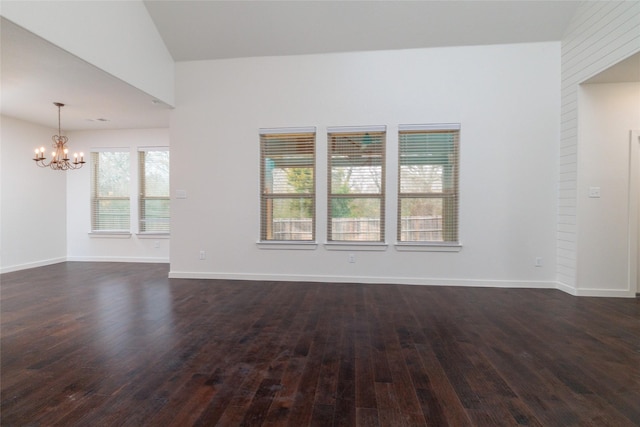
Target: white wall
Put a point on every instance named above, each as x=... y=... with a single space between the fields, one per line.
x=32 y=200
x=506 y=98
x=81 y=245
x=601 y=34
x=607 y=113
x=118 y=37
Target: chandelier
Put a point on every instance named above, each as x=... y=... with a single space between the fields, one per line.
x=60 y=157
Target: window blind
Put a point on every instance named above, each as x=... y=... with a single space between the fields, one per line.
x=287 y=184
x=110 y=189
x=154 y=196
x=356 y=163
x=428 y=183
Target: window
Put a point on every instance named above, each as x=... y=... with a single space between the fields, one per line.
x=110 y=189
x=356 y=162
x=287 y=184
x=428 y=183
x=154 y=190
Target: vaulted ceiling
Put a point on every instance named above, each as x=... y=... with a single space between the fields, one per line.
x=35 y=73
x=199 y=30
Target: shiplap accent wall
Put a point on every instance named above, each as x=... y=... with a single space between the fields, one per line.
x=600 y=35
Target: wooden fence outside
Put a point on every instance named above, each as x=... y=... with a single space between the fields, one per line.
x=418 y=228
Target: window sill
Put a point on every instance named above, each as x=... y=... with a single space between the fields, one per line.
x=153 y=235
x=355 y=246
x=283 y=245
x=110 y=234
x=428 y=247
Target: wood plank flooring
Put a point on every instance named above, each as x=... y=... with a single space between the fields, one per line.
x=114 y=344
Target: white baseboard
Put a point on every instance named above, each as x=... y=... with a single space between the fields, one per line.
x=610 y=293
x=523 y=284
x=162 y=260
x=29 y=265
x=566 y=288
x=583 y=292
x=368 y=280
x=43 y=263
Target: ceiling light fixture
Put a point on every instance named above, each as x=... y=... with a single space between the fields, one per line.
x=60 y=157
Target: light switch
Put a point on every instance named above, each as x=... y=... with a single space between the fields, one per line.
x=594 y=192
x=181 y=194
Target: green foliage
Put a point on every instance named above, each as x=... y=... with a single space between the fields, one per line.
x=156 y=173
x=112 y=173
x=418 y=207
x=301 y=179
x=293 y=208
x=341 y=207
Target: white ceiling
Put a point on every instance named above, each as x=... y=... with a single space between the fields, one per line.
x=627 y=70
x=34 y=73
x=198 y=30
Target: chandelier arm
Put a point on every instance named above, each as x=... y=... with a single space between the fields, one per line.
x=59 y=158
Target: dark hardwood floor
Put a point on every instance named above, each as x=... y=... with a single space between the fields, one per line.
x=113 y=344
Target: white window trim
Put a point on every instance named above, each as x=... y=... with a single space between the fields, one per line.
x=428 y=247
x=287 y=245
x=110 y=234
x=431 y=126
x=293 y=244
x=135 y=195
x=152 y=235
x=109 y=149
x=158 y=148
x=356 y=246
x=284 y=131
x=356 y=129
x=132 y=197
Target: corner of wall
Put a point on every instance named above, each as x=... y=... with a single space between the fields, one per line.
x=566 y=288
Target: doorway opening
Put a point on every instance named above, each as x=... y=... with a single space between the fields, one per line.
x=634 y=212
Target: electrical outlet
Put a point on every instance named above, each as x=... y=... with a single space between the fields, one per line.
x=538 y=261
x=202 y=255
x=156 y=244
x=352 y=258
